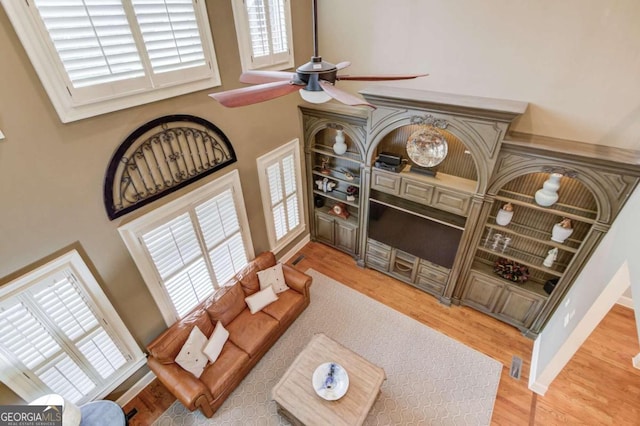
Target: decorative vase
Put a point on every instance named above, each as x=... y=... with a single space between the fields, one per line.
x=504 y=215
x=561 y=231
x=548 y=195
x=552 y=255
x=339 y=147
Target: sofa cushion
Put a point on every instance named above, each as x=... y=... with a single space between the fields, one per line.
x=226 y=304
x=191 y=357
x=251 y=331
x=216 y=342
x=166 y=347
x=218 y=376
x=248 y=276
x=288 y=306
x=273 y=277
x=259 y=300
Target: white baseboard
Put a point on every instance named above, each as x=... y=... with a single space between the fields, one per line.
x=136 y=389
x=636 y=361
x=626 y=302
x=288 y=255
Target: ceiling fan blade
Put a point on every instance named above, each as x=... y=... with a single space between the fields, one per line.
x=254 y=94
x=342 y=96
x=342 y=65
x=260 y=77
x=379 y=77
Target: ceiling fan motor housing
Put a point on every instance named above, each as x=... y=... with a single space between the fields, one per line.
x=315 y=70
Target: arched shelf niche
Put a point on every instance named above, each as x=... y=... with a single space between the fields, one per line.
x=480 y=139
x=459 y=162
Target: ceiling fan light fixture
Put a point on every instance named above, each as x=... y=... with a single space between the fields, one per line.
x=314 y=97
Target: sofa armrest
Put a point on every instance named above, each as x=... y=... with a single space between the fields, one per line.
x=299 y=281
x=189 y=390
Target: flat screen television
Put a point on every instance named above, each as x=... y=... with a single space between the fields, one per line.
x=428 y=239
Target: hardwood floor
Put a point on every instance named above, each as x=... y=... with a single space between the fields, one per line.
x=599 y=386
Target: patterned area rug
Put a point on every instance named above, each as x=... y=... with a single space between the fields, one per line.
x=431 y=378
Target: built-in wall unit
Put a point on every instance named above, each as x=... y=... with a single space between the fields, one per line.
x=436 y=191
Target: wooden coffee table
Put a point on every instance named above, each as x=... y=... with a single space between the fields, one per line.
x=298 y=402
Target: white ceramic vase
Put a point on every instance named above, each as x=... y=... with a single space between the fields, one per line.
x=503 y=218
x=559 y=233
x=339 y=147
x=548 y=194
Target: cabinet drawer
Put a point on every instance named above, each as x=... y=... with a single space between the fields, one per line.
x=416 y=191
x=378 y=263
x=432 y=274
x=433 y=266
x=403 y=265
x=451 y=201
x=377 y=249
x=386 y=182
x=429 y=285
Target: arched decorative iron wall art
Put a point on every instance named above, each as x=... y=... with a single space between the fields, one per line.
x=160 y=157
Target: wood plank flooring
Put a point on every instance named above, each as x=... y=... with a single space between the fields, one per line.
x=599 y=386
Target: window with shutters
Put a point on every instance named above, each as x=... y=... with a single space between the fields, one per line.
x=188 y=248
x=59 y=334
x=98 y=56
x=264 y=34
x=281 y=188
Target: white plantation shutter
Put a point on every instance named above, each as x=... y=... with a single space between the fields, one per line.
x=264 y=33
x=52 y=333
x=93 y=39
x=220 y=227
x=171 y=35
x=188 y=248
x=97 y=56
x=281 y=177
x=280 y=186
x=176 y=252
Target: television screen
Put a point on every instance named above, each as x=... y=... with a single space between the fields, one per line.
x=422 y=237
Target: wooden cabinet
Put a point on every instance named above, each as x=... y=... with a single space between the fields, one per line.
x=335 y=231
x=332 y=178
x=486 y=167
x=482 y=293
x=500 y=299
x=444 y=192
x=518 y=307
x=406 y=267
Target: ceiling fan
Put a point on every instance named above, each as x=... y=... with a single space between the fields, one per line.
x=315 y=81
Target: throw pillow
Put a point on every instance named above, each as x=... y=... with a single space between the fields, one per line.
x=273 y=276
x=191 y=357
x=261 y=299
x=217 y=340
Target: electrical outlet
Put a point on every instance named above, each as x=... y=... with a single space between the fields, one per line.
x=1 y=135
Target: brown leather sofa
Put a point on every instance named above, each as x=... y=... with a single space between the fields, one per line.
x=250 y=336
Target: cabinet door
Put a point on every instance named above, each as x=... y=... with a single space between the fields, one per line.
x=346 y=236
x=482 y=292
x=518 y=307
x=451 y=201
x=324 y=228
x=416 y=191
x=385 y=182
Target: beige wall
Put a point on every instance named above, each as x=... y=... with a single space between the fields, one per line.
x=51 y=174
x=576 y=62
